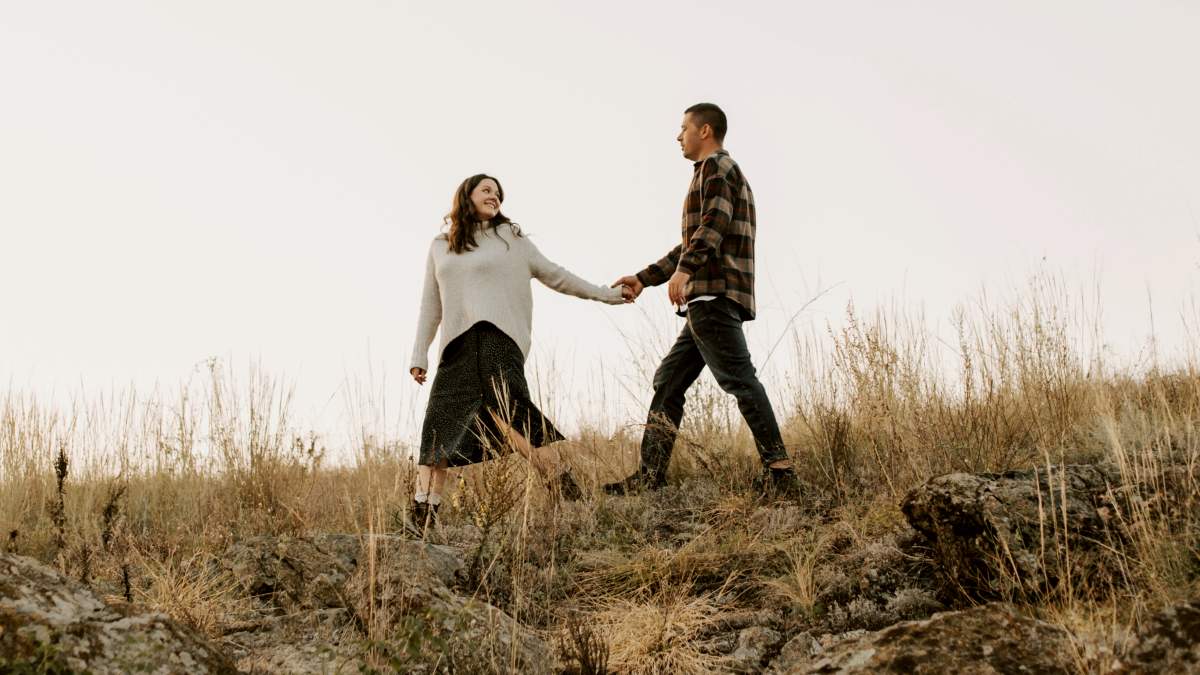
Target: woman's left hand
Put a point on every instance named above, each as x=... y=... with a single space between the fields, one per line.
x=418 y=374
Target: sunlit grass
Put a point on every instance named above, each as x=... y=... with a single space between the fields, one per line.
x=155 y=484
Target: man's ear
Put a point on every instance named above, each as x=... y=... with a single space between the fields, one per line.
x=706 y=131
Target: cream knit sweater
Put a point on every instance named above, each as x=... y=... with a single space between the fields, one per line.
x=490 y=283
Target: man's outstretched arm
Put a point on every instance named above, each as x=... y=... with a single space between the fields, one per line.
x=658 y=272
x=654 y=274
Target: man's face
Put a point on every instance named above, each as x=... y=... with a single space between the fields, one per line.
x=689 y=137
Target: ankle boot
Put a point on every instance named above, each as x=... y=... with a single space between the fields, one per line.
x=568 y=488
x=420 y=512
x=645 y=479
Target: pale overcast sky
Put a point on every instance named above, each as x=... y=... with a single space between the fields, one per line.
x=260 y=180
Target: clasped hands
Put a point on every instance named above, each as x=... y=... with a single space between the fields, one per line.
x=632 y=287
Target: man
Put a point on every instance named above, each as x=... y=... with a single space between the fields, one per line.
x=710 y=276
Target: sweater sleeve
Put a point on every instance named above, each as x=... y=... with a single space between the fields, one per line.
x=558 y=278
x=429 y=317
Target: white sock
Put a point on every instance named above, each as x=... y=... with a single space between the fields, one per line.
x=421 y=497
x=434 y=500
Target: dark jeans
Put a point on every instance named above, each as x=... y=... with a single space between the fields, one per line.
x=712 y=337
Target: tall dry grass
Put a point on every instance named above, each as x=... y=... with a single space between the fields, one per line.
x=885 y=401
x=155 y=486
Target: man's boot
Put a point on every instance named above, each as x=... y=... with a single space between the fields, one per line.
x=639 y=482
x=779 y=484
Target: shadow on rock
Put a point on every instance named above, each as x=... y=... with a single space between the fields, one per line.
x=1023 y=533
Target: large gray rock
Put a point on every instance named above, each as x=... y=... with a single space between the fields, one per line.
x=397 y=592
x=800 y=653
x=401 y=599
x=873 y=586
x=753 y=646
x=978 y=641
x=49 y=623
x=1169 y=642
x=1020 y=530
x=315 y=642
x=797 y=654
x=309 y=657
x=306 y=573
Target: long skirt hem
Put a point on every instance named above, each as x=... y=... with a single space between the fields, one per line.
x=480 y=377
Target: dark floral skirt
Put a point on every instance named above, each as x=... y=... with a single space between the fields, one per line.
x=481 y=371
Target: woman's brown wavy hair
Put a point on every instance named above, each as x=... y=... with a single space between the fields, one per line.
x=464 y=223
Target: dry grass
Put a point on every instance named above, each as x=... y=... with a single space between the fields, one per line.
x=660 y=635
x=156 y=485
x=191 y=590
x=798 y=587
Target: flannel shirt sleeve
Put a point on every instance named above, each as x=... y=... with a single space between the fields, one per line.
x=659 y=272
x=715 y=217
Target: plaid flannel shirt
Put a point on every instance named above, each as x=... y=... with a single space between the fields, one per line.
x=718 y=236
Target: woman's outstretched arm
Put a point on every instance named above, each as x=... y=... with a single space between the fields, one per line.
x=557 y=277
x=428 y=320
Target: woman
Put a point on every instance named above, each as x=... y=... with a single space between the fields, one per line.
x=477 y=288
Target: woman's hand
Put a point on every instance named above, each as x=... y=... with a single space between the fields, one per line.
x=631 y=287
x=418 y=374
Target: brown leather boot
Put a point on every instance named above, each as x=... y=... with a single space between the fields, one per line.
x=568 y=488
x=417 y=515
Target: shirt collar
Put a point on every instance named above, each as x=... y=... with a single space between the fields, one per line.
x=720 y=151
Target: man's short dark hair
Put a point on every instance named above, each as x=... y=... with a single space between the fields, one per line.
x=713 y=116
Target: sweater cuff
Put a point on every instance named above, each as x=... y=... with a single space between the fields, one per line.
x=419 y=361
x=613 y=296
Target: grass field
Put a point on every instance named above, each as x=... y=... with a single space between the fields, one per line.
x=137 y=494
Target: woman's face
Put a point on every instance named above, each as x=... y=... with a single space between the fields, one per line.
x=486 y=199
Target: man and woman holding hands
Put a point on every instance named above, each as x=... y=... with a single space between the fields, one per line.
x=477 y=289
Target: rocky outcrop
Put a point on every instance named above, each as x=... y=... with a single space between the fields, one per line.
x=396 y=592
x=402 y=596
x=1169 y=642
x=307 y=573
x=797 y=655
x=988 y=639
x=50 y=624
x=753 y=646
x=1022 y=530
x=315 y=642
x=302 y=657
x=872 y=586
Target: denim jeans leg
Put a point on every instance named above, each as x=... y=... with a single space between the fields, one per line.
x=717 y=330
x=678 y=370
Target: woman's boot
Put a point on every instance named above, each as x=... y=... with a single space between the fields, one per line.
x=419 y=514
x=567 y=488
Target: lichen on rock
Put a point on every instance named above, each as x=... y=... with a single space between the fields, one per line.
x=49 y=623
